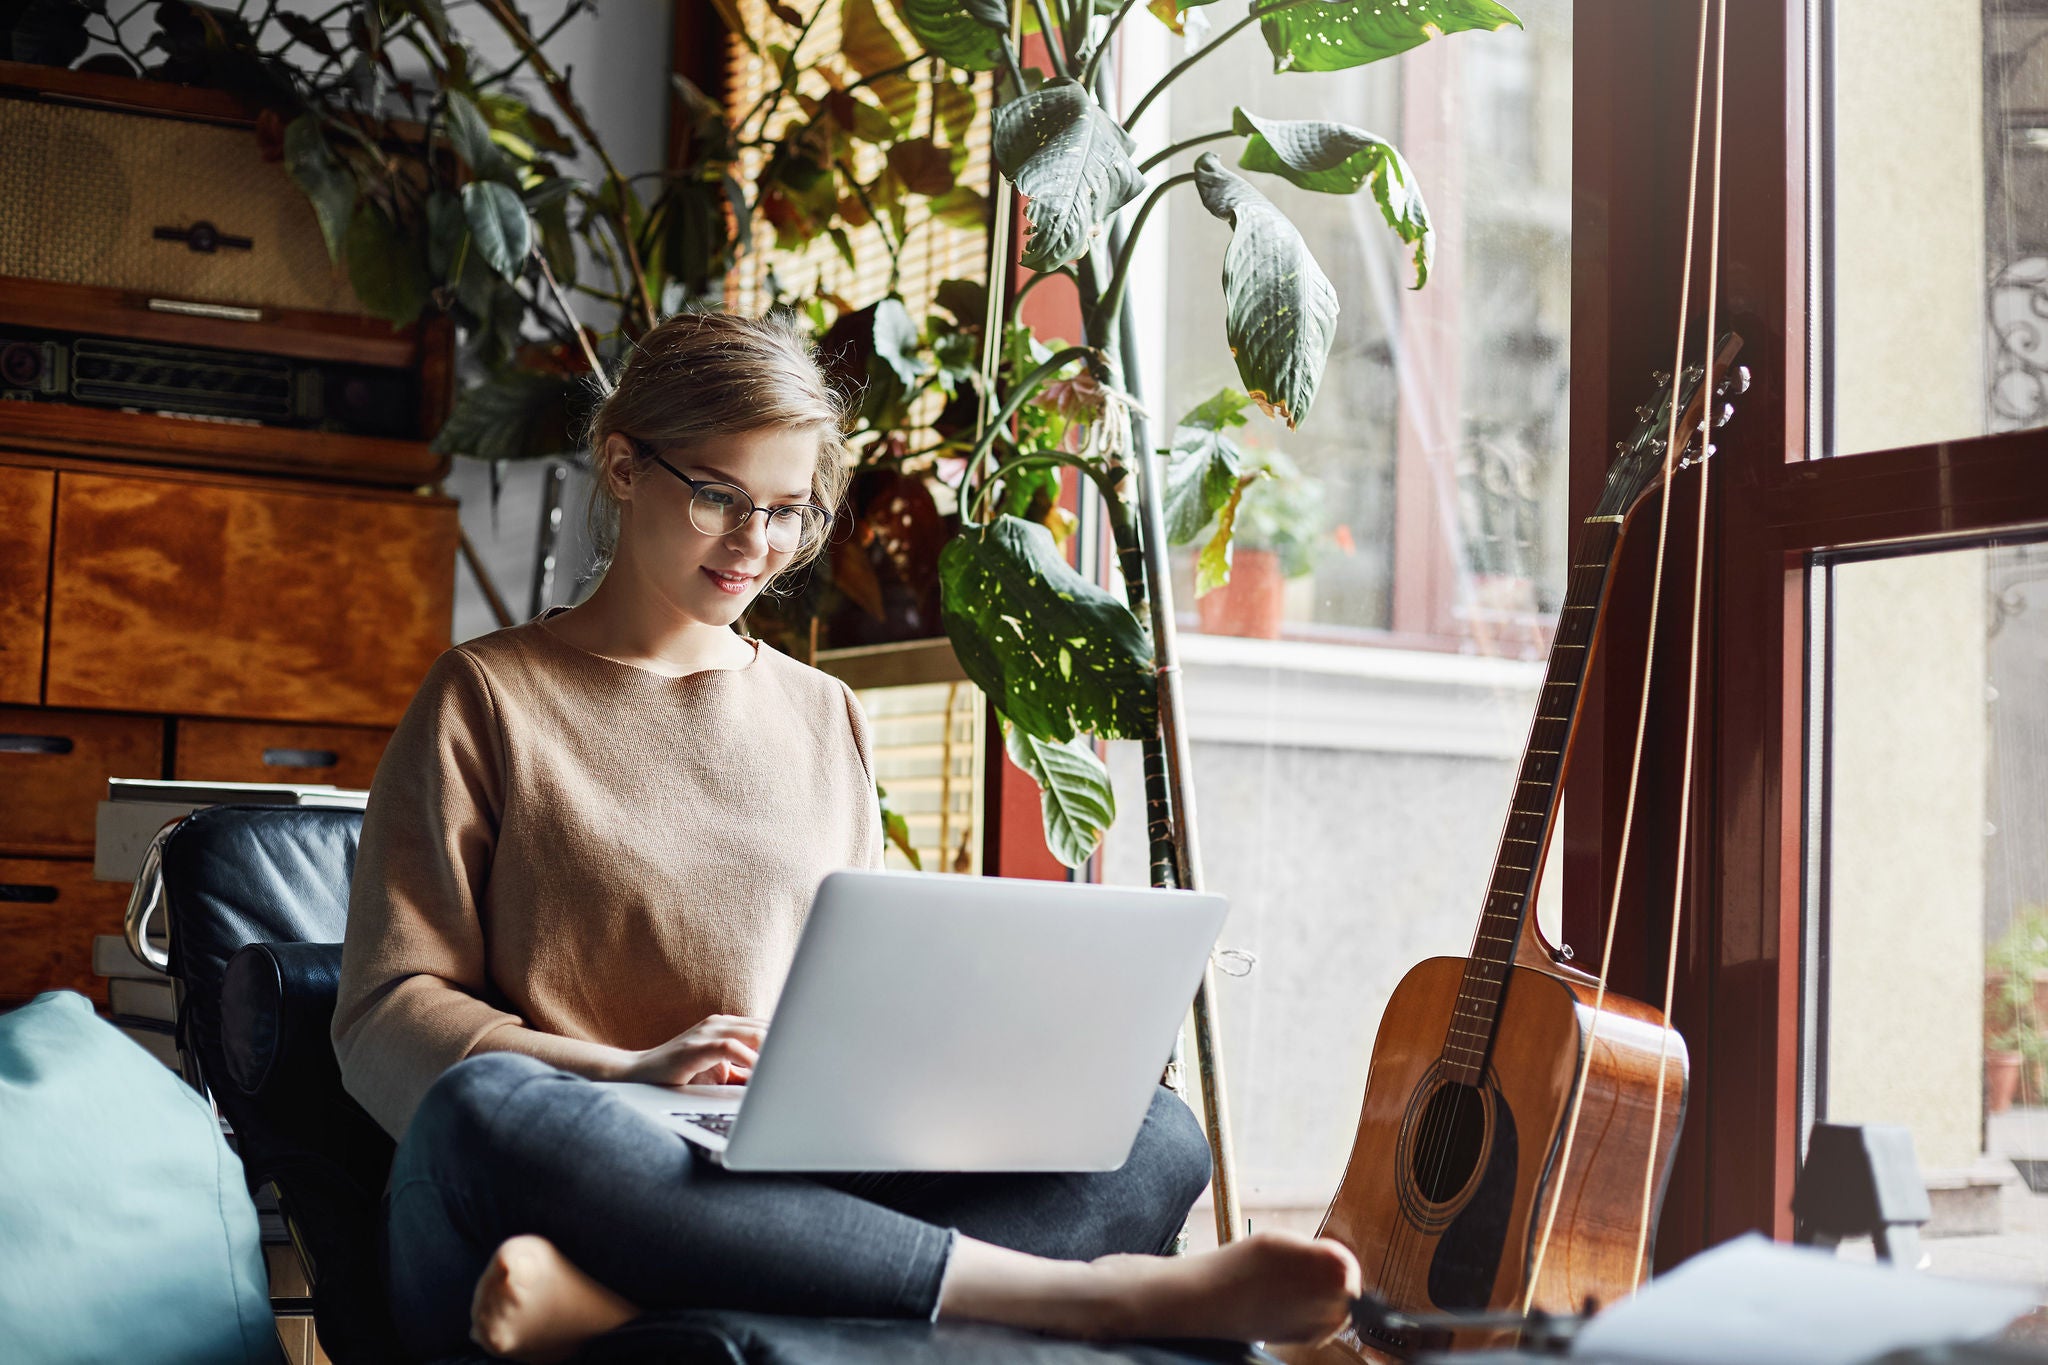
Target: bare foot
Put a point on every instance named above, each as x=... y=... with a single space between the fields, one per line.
x=533 y=1305
x=1272 y=1286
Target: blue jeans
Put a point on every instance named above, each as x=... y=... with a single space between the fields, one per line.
x=504 y=1145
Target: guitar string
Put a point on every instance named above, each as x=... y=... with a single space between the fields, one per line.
x=1562 y=1171
x=1692 y=685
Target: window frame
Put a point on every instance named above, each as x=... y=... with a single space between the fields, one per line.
x=1742 y=982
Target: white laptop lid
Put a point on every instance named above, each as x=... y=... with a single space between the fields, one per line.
x=934 y=1023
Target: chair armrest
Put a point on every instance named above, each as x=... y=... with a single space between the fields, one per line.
x=276 y=1006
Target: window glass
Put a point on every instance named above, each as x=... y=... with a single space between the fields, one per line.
x=1356 y=725
x=1939 y=229
x=1932 y=983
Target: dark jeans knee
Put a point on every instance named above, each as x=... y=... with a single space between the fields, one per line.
x=1176 y=1147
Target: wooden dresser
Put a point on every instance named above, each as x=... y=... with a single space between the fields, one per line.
x=184 y=598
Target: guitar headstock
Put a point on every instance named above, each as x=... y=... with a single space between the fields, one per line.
x=1639 y=461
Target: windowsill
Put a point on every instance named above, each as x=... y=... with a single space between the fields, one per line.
x=1299 y=694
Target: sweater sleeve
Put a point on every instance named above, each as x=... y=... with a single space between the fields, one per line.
x=411 y=1001
x=863 y=744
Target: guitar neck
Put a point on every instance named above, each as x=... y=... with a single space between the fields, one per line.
x=1533 y=807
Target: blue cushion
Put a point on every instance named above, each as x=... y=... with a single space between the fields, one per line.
x=129 y=1233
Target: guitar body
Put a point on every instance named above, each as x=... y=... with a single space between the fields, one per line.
x=1444 y=1196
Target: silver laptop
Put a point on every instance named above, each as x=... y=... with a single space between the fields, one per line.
x=936 y=1023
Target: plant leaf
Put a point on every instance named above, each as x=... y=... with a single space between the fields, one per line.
x=1212 y=566
x=1222 y=409
x=385 y=266
x=963 y=206
x=1072 y=160
x=966 y=300
x=896 y=341
x=1172 y=12
x=1079 y=803
x=1280 y=312
x=958 y=30
x=923 y=166
x=895 y=828
x=326 y=181
x=1335 y=37
x=865 y=41
x=1053 y=652
x=471 y=137
x=499 y=226
x=516 y=415
x=1335 y=158
x=1202 y=472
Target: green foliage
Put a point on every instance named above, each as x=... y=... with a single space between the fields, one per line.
x=1335 y=158
x=1053 y=652
x=959 y=31
x=1073 y=783
x=1280 y=311
x=1337 y=36
x=1074 y=163
x=895 y=828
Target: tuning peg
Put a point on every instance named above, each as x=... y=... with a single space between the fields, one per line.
x=1692 y=374
x=1621 y=447
x=1736 y=384
x=1660 y=377
x=1644 y=412
x=1721 y=416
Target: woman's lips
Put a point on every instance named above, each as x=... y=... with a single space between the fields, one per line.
x=733 y=583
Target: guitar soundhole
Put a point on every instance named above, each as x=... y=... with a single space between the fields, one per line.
x=1448 y=1141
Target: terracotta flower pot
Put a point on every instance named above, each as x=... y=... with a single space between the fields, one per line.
x=1251 y=603
x=2001 y=1080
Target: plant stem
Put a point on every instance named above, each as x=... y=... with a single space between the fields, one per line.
x=1100 y=49
x=1047 y=460
x=1016 y=74
x=1050 y=32
x=507 y=73
x=1017 y=299
x=558 y=90
x=886 y=72
x=767 y=104
x=1018 y=397
x=1104 y=318
x=1258 y=12
x=1168 y=153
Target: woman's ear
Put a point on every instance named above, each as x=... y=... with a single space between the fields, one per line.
x=615 y=465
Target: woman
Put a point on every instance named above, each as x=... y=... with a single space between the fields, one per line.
x=588 y=853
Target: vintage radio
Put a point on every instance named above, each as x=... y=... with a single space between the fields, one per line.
x=204 y=381
x=181 y=209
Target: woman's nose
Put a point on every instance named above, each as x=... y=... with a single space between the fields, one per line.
x=753 y=533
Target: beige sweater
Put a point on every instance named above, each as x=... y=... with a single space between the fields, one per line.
x=569 y=846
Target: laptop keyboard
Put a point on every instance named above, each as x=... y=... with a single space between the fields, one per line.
x=720 y=1124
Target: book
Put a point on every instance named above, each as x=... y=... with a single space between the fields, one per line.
x=129 y=999
x=135 y=809
x=113 y=958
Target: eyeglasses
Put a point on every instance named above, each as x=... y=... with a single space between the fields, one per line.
x=718 y=508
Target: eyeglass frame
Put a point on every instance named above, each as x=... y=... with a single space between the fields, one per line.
x=824 y=529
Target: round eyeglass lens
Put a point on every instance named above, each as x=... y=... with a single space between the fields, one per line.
x=721 y=510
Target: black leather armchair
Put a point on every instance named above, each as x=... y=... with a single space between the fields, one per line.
x=255 y=899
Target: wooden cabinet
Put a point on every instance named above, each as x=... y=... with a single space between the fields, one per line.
x=24 y=580
x=242 y=751
x=228 y=598
x=49 y=911
x=54 y=767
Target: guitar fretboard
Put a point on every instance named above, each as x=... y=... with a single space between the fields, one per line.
x=1532 y=808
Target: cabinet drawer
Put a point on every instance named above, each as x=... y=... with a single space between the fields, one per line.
x=54 y=767
x=25 y=496
x=250 y=751
x=217 y=598
x=49 y=912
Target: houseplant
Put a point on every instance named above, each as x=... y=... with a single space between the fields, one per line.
x=2015 y=1021
x=1272 y=532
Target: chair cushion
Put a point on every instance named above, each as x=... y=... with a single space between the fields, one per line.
x=129 y=1234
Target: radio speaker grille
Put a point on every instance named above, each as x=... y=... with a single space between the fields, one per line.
x=83 y=191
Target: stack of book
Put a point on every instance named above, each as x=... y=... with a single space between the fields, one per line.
x=140 y=998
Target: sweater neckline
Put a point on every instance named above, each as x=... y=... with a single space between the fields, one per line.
x=607 y=659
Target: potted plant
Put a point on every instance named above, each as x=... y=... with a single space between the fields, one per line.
x=2015 y=1040
x=1241 y=584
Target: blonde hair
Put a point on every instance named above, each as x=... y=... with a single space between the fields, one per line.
x=697 y=375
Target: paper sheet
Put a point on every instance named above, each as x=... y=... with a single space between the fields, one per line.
x=1761 y=1303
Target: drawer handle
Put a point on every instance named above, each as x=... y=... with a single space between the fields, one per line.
x=300 y=758
x=31 y=895
x=35 y=744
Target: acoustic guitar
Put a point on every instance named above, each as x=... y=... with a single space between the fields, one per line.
x=1455 y=1167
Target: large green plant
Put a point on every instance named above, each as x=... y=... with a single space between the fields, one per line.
x=1063 y=660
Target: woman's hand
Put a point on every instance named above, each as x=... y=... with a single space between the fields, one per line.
x=721 y=1050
